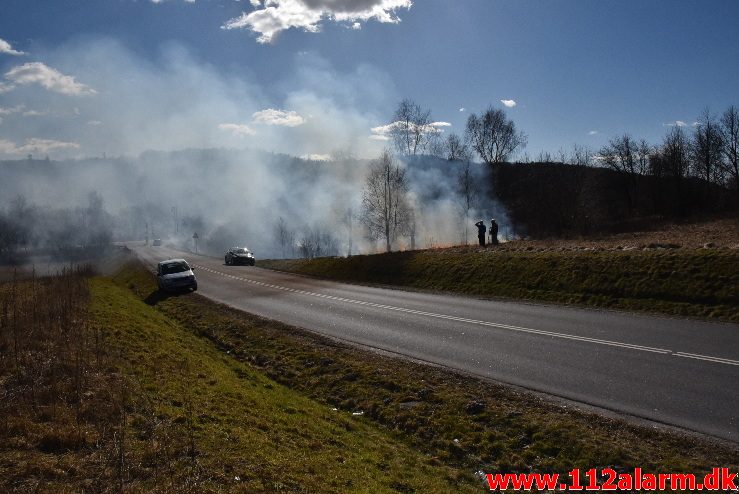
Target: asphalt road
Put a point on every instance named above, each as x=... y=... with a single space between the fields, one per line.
x=678 y=372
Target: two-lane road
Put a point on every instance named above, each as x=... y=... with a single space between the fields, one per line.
x=679 y=372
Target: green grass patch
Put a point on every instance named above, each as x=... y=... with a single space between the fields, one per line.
x=681 y=282
x=201 y=418
x=462 y=423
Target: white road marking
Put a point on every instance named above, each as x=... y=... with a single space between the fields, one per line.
x=707 y=358
x=552 y=334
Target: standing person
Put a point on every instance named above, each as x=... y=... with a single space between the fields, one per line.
x=493 y=232
x=481 y=228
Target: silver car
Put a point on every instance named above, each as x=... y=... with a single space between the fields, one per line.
x=174 y=275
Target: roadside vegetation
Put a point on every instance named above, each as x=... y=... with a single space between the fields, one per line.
x=454 y=420
x=104 y=393
x=660 y=278
x=109 y=386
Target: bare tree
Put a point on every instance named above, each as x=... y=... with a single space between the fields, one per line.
x=282 y=234
x=307 y=244
x=705 y=148
x=348 y=221
x=671 y=160
x=493 y=136
x=730 y=141
x=544 y=157
x=468 y=194
x=412 y=128
x=455 y=148
x=411 y=228
x=581 y=156
x=621 y=155
x=385 y=209
x=675 y=153
x=643 y=152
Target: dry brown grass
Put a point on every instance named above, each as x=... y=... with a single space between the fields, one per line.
x=61 y=404
x=719 y=233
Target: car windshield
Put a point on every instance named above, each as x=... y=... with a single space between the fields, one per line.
x=174 y=267
x=241 y=251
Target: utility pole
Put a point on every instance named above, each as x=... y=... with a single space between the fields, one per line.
x=147 y=233
x=195 y=238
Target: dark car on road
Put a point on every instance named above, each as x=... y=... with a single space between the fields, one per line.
x=239 y=255
x=175 y=275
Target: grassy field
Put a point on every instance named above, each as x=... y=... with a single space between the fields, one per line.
x=121 y=389
x=163 y=409
x=457 y=421
x=682 y=282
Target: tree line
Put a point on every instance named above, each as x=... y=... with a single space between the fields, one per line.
x=25 y=226
x=692 y=171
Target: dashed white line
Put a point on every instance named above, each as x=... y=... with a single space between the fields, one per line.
x=552 y=334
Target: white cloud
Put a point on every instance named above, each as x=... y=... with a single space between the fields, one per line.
x=382 y=132
x=35 y=145
x=240 y=130
x=94 y=123
x=593 y=132
x=508 y=103
x=11 y=111
x=356 y=26
x=47 y=77
x=6 y=88
x=8 y=50
x=256 y=3
x=316 y=157
x=462 y=109
x=274 y=16
x=676 y=123
x=271 y=116
x=34 y=113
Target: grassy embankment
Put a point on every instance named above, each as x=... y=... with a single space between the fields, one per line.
x=680 y=282
x=455 y=420
x=141 y=392
x=120 y=397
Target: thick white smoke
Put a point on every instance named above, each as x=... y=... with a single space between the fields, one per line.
x=177 y=139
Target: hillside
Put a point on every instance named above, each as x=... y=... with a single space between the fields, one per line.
x=647 y=271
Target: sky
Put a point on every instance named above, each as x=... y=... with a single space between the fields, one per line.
x=314 y=78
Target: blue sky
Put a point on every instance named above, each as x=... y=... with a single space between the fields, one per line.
x=168 y=75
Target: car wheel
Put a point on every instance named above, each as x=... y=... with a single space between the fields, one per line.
x=225 y=260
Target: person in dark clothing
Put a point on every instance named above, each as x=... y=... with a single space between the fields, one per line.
x=481 y=228
x=493 y=232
